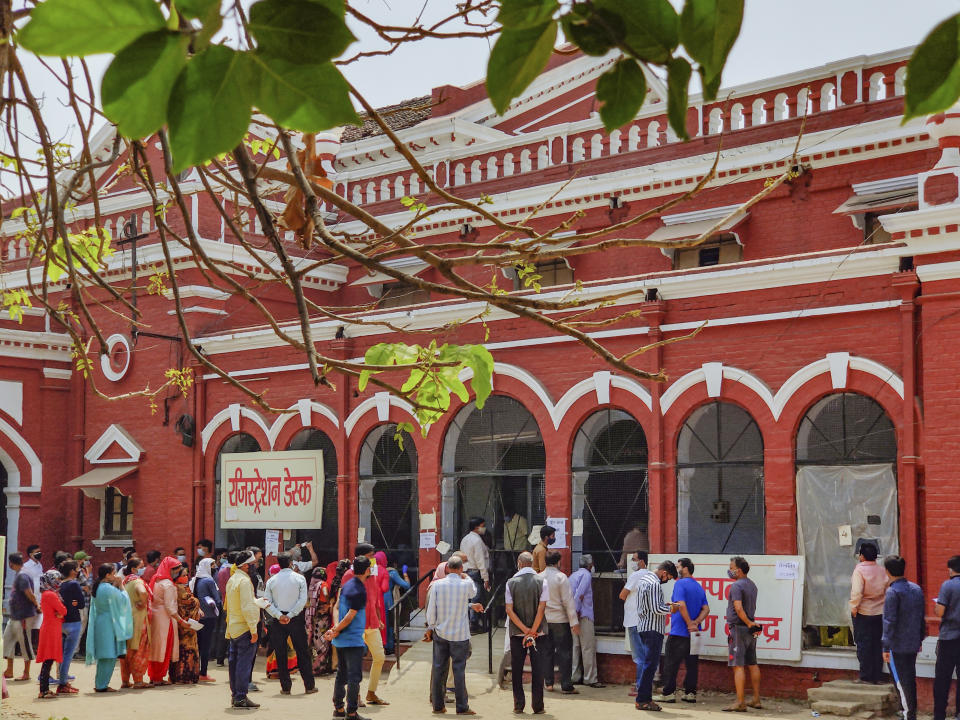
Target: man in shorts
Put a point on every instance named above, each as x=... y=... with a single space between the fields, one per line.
x=741 y=609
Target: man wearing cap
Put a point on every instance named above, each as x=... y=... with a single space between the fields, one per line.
x=243 y=614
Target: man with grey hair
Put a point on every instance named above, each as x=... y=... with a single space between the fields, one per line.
x=584 y=644
x=448 y=622
x=526 y=598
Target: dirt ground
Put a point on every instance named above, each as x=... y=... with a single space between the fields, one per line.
x=405 y=688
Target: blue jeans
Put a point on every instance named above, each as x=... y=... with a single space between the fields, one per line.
x=645 y=648
x=241 y=655
x=349 y=675
x=443 y=652
x=71 y=639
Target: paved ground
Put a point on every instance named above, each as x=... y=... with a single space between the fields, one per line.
x=405 y=688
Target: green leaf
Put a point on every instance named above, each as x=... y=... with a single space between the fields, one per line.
x=708 y=30
x=933 y=73
x=711 y=86
x=620 y=92
x=479 y=359
x=337 y=7
x=415 y=376
x=516 y=60
x=651 y=28
x=137 y=85
x=209 y=110
x=450 y=377
x=303 y=97
x=197 y=9
x=678 y=84
x=86 y=27
x=299 y=31
x=522 y=14
x=595 y=34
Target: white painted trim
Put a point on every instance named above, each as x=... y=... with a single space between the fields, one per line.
x=232 y=413
x=373 y=403
x=114 y=434
x=199 y=309
x=52 y=373
x=36 y=467
x=11 y=399
x=304 y=409
x=201 y=291
x=939 y=271
x=106 y=368
x=882 y=372
x=838 y=363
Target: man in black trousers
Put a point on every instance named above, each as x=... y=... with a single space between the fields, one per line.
x=903 y=631
x=287 y=593
x=526 y=600
x=948 y=643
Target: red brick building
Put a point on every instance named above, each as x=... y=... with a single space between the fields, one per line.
x=830 y=314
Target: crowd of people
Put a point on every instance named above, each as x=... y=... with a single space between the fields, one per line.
x=165 y=623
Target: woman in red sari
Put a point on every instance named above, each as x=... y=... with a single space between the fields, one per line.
x=134 y=663
x=164 y=619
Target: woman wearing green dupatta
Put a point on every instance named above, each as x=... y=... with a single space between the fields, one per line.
x=109 y=627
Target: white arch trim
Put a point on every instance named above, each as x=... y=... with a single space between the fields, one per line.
x=232 y=413
x=36 y=467
x=522 y=376
x=382 y=402
x=304 y=409
x=837 y=364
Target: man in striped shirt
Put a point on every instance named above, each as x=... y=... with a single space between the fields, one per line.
x=644 y=617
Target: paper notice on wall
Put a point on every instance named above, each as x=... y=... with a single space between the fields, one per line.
x=271 y=542
x=361 y=534
x=231 y=513
x=787 y=570
x=578 y=527
x=428 y=521
x=443 y=547
x=534 y=537
x=845 y=536
x=428 y=540
x=560 y=525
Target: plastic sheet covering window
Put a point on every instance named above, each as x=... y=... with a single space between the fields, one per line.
x=829 y=498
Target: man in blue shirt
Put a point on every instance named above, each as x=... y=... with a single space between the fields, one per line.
x=347 y=637
x=948 y=643
x=692 y=608
x=903 y=631
x=584 y=644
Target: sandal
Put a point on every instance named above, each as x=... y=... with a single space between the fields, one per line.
x=755 y=705
x=735 y=708
x=67 y=690
x=126 y=686
x=651 y=706
x=107 y=689
x=46 y=695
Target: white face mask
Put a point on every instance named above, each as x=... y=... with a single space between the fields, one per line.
x=201 y=552
x=182 y=558
x=482 y=529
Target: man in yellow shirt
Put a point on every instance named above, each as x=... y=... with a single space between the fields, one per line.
x=243 y=614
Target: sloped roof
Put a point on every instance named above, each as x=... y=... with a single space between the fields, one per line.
x=399 y=117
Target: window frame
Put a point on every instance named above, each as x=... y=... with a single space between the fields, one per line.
x=111 y=514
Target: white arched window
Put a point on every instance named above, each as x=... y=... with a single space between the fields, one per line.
x=145 y=220
x=398 y=190
x=357 y=195
x=371 y=193
x=804 y=103
x=716 y=121
x=653 y=134
x=828 y=98
x=543 y=157
x=385 y=189
x=476 y=173
x=596 y=146
x=508 y=165
x=414 y=184
x=633 y=138
x=736 y=117
x=615 y=142
x=525 y=163
x=899 y=80
x=491 y=168
x=759 y=116
x=459 y=174
x=780 y=109
x=577 y=153
x=878 y=90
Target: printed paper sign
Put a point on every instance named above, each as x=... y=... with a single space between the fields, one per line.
x=779 y=602
x=428 y=521
x=845 y=536
x=560 y=525
x=578 y=527
x=428 y=540
x=361 y=534
x=272 y=490
x=271 y=542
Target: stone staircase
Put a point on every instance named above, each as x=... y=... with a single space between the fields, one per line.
x=847 y=698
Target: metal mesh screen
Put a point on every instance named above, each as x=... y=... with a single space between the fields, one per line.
x=720 y=500
x=239 y=443
x=846 y=429
x=501 y=437
x=394 y=513
x=325 y=541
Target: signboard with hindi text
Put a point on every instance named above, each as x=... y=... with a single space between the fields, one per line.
x=272 y=490
x=779 y=580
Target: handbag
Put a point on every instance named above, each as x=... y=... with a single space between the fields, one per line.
x=696 y=642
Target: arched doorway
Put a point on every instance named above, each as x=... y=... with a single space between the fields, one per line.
x=230 y=538
x=846 y=492
x=610 y=485
x=388 y=492
x=494 y=462
x=325 y=539
x=720 y=500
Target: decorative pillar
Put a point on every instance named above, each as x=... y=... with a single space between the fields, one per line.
x=661 y=486
x=448 y=503
x=365 y=505
x=579 y=485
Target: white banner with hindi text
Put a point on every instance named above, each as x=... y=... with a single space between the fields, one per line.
x=272 y=490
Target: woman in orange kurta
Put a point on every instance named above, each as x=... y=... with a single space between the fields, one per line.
x=164 y=643
x=134 y=664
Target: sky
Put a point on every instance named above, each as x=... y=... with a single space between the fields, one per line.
x=778 y=36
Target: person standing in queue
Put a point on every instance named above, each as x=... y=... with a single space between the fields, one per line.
x=903 y=631
x=868 y=587
x=742 y=642
x=347 y=636
x=526 y=598
x=477 y=566
x=585 y=643
x=692 y=608
x=562 y=625
x=548 y=536
x=287 y=593
x=371 y=635
x=243 y=616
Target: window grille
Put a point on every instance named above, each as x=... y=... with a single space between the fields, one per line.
x=117 y=514
x=325 y=541
x=720 y=499
x=394 y=515
x=846 y=429
x=239 y=443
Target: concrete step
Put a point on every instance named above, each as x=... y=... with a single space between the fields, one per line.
x=872 y=698
x=844 y=708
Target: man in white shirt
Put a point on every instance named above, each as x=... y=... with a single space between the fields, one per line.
x=477 y=565
x=562 y=624
x=33 y=569
x=287 y=594
x=448 y=624
x=304 y=567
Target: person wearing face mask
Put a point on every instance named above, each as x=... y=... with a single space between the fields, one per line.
x=164 y=639
x=548 y=536
x=111 y=625
x=134 y=665
x=742 y=641
x=204 y=549
x=150 y=566
x=477 y=565
x=644 y=616
x=584 y=644
x=180 y=553
x=34 y=570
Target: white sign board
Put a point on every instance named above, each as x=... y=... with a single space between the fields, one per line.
x=779 y=580
x=560 y=525
x=272 y=490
